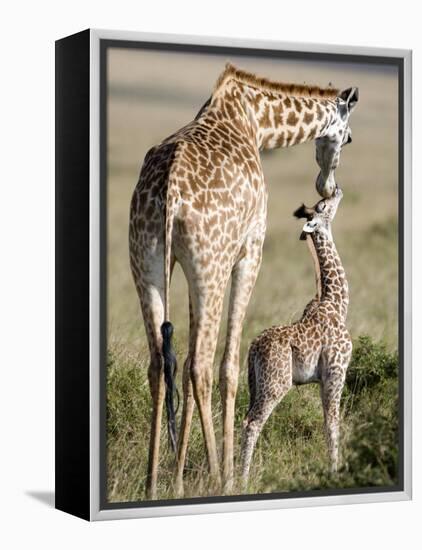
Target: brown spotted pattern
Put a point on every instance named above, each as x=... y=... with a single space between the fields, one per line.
x=201 y=200
x=315 y=349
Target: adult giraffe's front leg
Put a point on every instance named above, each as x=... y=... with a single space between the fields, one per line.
x=206 y=302
x=244 y=275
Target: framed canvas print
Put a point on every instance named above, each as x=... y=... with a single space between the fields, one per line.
x=233 y=299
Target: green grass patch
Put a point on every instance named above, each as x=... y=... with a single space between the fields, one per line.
x=291 y=452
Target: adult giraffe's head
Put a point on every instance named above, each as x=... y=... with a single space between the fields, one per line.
x=279 y=114
x=332 y=140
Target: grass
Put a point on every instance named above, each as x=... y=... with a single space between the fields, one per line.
x=291 y=453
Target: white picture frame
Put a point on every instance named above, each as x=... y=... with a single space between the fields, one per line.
x=90 y=504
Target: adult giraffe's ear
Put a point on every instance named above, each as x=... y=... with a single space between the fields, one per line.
x=304 y=212
x=351 y=97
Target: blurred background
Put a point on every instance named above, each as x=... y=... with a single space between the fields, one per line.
x=151 y=94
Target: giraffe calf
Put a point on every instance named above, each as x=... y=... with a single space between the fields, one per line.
x=315 y=349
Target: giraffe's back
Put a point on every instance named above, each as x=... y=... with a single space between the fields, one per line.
x=212 y=180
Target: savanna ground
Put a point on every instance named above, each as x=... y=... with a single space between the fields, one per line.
x=152 y=94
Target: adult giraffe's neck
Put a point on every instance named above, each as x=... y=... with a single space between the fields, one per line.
x=334 y=286
x=283 y=120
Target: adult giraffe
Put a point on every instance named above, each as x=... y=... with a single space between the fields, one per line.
x=201 y=200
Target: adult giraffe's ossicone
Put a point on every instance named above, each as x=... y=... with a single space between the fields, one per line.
x=201 y=200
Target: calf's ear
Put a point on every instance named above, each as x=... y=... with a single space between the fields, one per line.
x=304 y=212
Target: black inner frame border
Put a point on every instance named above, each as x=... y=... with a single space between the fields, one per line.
x=105 y=45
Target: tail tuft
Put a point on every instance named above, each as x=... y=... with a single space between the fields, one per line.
x=170 y=368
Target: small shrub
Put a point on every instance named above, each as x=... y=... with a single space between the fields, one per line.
x=373 y=445
x=371 y=364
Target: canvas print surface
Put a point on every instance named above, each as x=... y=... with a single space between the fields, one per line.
x=284 y=328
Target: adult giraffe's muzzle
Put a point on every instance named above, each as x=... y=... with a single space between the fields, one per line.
x=326 y=184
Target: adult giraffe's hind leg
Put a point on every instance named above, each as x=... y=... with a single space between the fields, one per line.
x=187 y=412
x=244 y=275
x=148 y=272
x=153 y=313
x=185 y=426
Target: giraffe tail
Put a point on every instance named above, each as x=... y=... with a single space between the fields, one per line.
x=170 y=367
x=169 y=357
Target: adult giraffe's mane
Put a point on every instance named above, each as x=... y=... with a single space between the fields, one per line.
x=299 y=90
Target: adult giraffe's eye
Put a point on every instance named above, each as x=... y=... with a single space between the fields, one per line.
x=321 y=206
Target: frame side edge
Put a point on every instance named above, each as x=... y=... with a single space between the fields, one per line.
x=407 y=265
x=72 y=273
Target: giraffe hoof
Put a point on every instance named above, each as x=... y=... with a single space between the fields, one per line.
x=179 y=490
x=228 y=487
